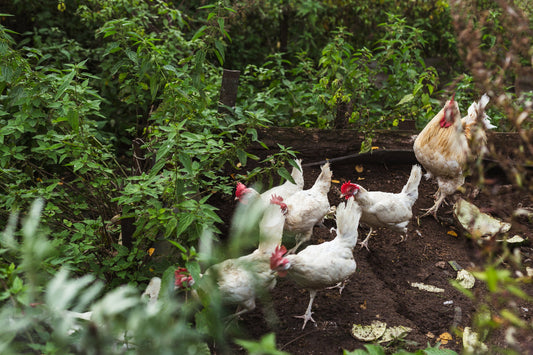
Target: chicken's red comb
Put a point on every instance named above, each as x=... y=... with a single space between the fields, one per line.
x=241 y=189
x=277 y=255
x=276 y=200
x=347 y=185
x=180 y=276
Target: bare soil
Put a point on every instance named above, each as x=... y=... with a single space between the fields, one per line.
x=380 y=288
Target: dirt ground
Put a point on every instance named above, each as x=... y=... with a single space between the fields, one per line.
x=380 y=288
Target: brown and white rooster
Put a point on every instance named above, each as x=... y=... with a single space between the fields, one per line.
x=324 y=265
x=241 y=280
x=386 y=209
x=442 y=149
x=443 y=146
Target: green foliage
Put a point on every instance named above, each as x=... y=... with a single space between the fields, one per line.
x=372 y=349
x=499 y=310
x=265 y=346
x=71 y=315
x=54 y=145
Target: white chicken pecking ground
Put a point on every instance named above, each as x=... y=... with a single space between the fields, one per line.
x=241 y=280
x=324 y=265
x=386 y=209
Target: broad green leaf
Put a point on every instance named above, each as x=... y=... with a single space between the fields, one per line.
x=285 y=174
x=186 y=161
x=241 y=154
x=405 y=99
x=184 y=222
x=198 y=33
x=64 y=85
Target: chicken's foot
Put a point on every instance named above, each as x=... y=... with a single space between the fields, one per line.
x=340 y=286
x=307 y=316
x=364 y=243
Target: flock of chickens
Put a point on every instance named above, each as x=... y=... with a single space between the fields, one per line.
x=443 y=148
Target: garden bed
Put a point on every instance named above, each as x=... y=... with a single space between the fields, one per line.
x=380 y=289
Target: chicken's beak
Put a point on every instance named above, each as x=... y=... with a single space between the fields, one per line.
x=282 y=270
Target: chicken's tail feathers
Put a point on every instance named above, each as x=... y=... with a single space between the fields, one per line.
x=476 y=113
x=347 y=217
x=271 y=228
x=411 y=187
x=326 y=171
x=298 y=173
x=323 y=181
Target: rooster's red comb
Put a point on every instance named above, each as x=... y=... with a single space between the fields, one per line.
x=241 y=189
x=347 y=186
x=277 y=255
x=276 y=199
x=181 y=276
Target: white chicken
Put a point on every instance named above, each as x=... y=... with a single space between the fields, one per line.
x=320 y=266
x=242 y=279
x=386 y=209
x=285 y=190
x=307 y=208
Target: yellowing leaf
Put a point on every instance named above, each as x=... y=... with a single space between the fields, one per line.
x=360 y=178
x=335 y=181
x=374 y=148
x=363 y=306
x=359 y=168
x=452 y=233
x=445 y=337
x=151 y=251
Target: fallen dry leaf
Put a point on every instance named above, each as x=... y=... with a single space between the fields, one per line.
x=445 y=337
x=369 y=332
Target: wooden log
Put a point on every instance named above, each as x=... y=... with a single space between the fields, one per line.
x=393 y=146
x=228 y=90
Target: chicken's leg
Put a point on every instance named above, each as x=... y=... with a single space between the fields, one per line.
x=300 y=239
x=433 y=210
x=307 y=316
x=340 y=286
x=364 y=243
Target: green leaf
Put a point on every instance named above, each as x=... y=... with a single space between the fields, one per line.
x=73 y=119
x=371 y=349
x=64 y=85
x=186 y=161
x=198 y=33
x=185 y=221
x=284 y=173
x=405 y=99
x=242 y=156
